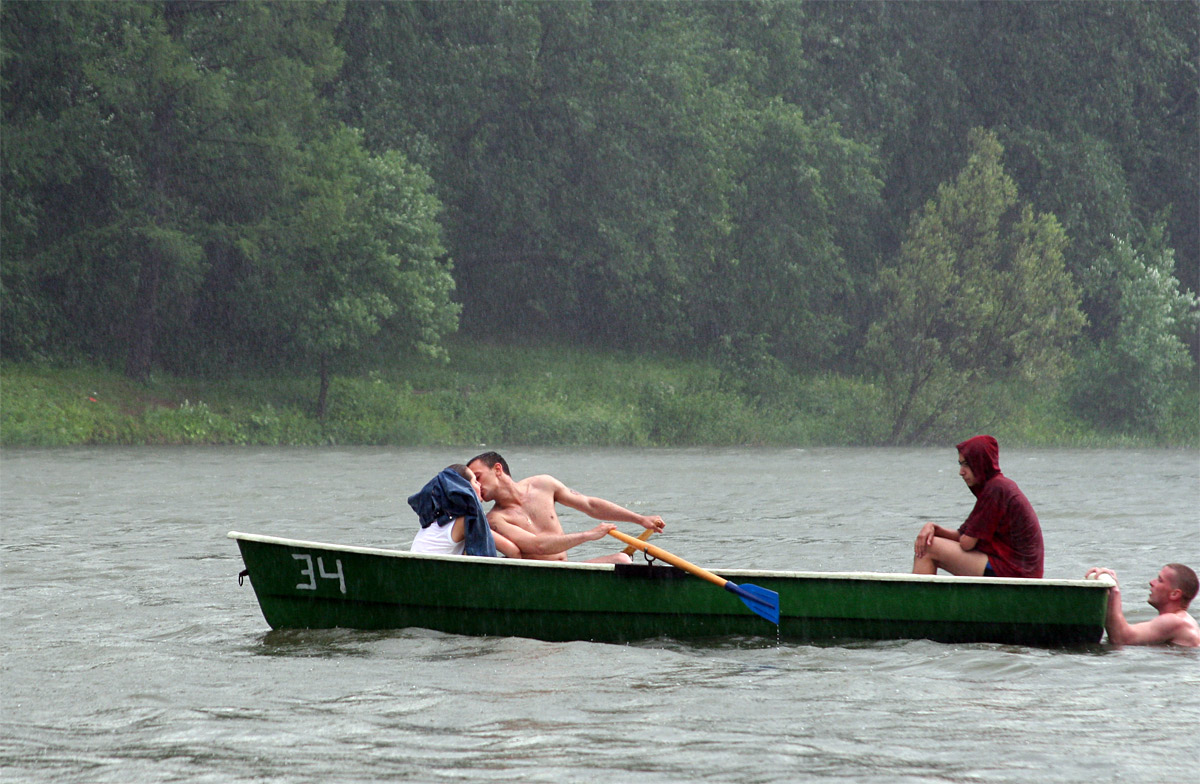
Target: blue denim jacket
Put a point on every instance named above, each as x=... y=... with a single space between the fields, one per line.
x=448 y=496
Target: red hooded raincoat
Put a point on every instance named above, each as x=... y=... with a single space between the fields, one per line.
x=1003 y=520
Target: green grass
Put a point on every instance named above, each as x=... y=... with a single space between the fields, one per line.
x=515 y=395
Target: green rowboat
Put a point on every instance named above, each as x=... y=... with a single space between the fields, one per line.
x=311 y=585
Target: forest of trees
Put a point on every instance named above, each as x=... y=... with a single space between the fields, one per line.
x=935 y=195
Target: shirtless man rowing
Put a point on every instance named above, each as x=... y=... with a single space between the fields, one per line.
x=524 y=512
x=1170 y=593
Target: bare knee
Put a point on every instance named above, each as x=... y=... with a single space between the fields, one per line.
x=615 y=558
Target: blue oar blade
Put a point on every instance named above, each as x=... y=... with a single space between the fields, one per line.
x=762 y=601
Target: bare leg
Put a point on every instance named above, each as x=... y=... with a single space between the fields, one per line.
x=948 y=554
x=615 y=558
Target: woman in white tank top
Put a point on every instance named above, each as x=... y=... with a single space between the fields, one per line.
x=451 y=538
x=448 y=539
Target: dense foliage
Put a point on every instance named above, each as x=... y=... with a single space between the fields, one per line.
x=978 y=292
x=782 y=186
x=178 y=192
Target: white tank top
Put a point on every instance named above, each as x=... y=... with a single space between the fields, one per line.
x=436 y=539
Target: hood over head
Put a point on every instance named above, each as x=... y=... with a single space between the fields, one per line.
x=982 y=454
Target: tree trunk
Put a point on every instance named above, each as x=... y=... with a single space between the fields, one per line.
x=145 y=307
x=323 y=395
x=145 y=317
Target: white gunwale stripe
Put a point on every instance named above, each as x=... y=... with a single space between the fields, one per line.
x=726 y=573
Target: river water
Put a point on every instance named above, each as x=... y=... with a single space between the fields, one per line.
x=130 y=653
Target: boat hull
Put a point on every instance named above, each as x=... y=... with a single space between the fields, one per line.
x=316 y=585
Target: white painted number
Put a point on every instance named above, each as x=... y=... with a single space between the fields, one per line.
x=331 y=575
x=308 y=572
x=311 y=585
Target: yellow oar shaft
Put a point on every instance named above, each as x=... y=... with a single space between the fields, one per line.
x=674 y=560
x=631 y=549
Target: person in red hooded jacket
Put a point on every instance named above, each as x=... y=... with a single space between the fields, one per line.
x=1000 y=538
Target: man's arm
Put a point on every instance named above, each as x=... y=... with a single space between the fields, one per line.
x=931 y=531
x=545 y=544
x=1162 y=629
x=505 y=545
x=1122 y=632
x=600 y=509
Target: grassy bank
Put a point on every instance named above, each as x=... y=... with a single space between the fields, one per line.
x=500 y=396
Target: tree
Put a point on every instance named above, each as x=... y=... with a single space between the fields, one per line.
x=576 y=145
x=979 y=293
x=1116 y=90
x=143 y=135
x=180 y=193
x=351 y=251
x=1082 y=182
x=1133 y=368
x=1095 y=103
x=781 y=279
x=630 y=159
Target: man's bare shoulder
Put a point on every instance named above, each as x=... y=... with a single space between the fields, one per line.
x=540 y=482
x=1187 y=631
x=1178 y=628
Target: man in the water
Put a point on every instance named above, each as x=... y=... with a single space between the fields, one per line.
x=1170 y=593
x=524 y=512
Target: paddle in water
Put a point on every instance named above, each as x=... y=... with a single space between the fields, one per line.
x=763 y=602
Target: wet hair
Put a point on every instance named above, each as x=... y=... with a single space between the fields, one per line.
x=490 y=459
x=459 y=469
x=1185 y=581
